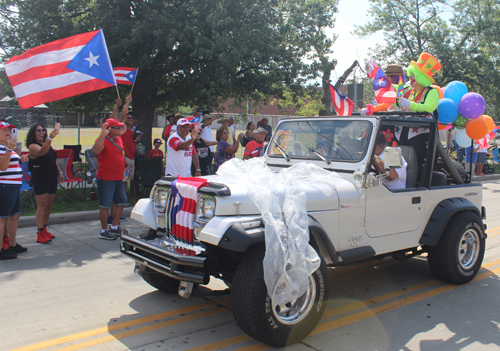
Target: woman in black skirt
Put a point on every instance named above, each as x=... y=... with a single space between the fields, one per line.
x=44 y=175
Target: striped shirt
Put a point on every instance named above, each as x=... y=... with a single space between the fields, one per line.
x=13 y=174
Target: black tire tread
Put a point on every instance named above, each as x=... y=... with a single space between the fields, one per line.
x=160 y=281
x=148 y=233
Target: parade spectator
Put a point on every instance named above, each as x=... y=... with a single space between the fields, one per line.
x=249 y=134
x=166 y=131
x=140 y=153
x=255 y=148
x=449 y=141
x=156 y=152
x=226 y=122
x=267 y=127
x=206 y=129
x=204 y=153
x=481 y=156
x=471 y=155
x=127 y=117
x=10 y=185
x=173 y=129
x=44 y=173
x=110 y=187
x=225 y=151
x=181 y=152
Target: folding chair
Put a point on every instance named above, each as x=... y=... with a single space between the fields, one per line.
x=92 y=164
x=70 y=182
x=150 y=171
x=27 y=193
x=77 y=153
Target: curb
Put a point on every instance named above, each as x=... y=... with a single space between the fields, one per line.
x=68 y=217
x=476 y=178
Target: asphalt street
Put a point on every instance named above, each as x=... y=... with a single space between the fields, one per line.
x=80 y=292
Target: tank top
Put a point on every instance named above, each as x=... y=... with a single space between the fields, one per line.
x=44 y=166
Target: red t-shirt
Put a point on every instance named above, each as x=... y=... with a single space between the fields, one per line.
x=166 y=132
x=111 y=161
x=254 y=149
x=129 y=143
x=156 y=153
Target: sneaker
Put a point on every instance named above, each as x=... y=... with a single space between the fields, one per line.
x=110 y=219
x=7 y=254
x=42 y=238
x=6 y=242
x=48 y=234
x=116 y=231
x=18 y=249
x=106 y=235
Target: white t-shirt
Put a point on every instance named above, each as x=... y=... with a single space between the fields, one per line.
x=206 y=134
x=179 y=161
x=400 y=181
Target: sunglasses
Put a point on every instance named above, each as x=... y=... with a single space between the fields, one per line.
x=129 y=118
x=115 y=127
x=40 y=130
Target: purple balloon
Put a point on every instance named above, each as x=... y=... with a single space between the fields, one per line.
x=471 y=105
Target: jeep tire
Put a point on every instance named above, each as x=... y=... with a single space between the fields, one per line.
x=256 y=314
x=458 y=255
x=160 y=281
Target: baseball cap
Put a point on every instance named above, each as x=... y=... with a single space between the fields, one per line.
x=183 y=122
x=4 y=125
x=260 y=130
x=157 y=141
x=113 y=122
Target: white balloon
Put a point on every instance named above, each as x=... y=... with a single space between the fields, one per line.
x=462 y=138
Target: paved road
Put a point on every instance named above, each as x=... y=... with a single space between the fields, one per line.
x=80 y=293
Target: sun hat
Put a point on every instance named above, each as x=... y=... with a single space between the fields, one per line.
x=394 y=70
x=224 y=119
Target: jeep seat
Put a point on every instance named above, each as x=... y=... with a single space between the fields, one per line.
x=410 y=157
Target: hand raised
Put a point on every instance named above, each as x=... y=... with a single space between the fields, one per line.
x=11 y=144
x=54 y=133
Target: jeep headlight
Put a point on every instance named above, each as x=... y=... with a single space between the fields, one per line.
x=160 y=199
x=205 y=209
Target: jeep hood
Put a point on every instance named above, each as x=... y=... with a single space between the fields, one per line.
x=317 y=200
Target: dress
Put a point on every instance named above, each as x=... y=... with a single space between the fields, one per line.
x=221 y=155
x=44 y=172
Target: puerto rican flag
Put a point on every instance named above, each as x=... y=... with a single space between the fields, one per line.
x=343 y=105
x=61 y=69
x=125 y=75
x=384 y=91
x=195 y=121
x=185 y=193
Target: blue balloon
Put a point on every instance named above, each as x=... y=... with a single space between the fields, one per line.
x=455 y=90
x=447 y=111
x=462 y=138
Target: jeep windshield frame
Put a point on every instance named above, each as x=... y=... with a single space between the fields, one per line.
x=336 y=140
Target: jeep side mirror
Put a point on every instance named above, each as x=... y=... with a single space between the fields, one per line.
x=393 y=157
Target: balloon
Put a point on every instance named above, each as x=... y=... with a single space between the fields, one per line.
x=455 y=90
x=447 y=111
x=440 y=91
x=460 y=122
x=462 y=138
x=471 y=105
x=444 y=126
x=489 y=121
x=476 y=129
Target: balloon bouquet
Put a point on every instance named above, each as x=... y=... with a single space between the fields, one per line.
x=463 y=110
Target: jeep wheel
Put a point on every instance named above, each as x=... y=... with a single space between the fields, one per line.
x=160 y=281
x=272 y=324
x=459 y=253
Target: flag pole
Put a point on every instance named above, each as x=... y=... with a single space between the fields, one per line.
x=117 y=91
x=136 y=73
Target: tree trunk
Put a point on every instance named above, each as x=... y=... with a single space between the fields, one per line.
x=144 y=106
x=326 y=100
x=346 y=74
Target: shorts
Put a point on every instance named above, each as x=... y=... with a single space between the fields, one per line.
x=111 y=192
x=11 y=200
x=44 y=186
x=129 y=162
x=467 y=157
x=481 y=157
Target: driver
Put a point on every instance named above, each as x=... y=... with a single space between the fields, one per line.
x=396 y=177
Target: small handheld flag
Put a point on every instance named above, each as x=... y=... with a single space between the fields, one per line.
x=343 y=105
x=125 y=75
x=61 y=69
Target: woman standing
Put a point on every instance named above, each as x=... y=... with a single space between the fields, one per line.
x=205 y=155
x=10 y=185
x=225 y=151
x=44 y=172
x=249 y=134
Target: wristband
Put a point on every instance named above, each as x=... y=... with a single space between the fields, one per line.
x=49 y=138
x=9 y=150
x=198 y=170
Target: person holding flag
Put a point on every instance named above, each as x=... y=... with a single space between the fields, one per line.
x=129 y=145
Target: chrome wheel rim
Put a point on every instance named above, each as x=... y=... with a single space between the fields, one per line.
x=468 y=249
x=295 y=311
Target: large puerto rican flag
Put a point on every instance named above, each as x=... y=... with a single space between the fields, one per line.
x=61 y=69
x=125 y=75
x=343 y=105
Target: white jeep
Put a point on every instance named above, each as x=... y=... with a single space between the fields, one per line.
x=437 y=211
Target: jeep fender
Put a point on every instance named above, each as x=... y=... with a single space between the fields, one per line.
x=440 y=217
x=236 y=238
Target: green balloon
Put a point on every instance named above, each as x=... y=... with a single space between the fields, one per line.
x=460 y=122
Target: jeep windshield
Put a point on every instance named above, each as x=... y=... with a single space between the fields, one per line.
x=332 y=140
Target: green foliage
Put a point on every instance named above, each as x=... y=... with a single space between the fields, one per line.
x=306 y=103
